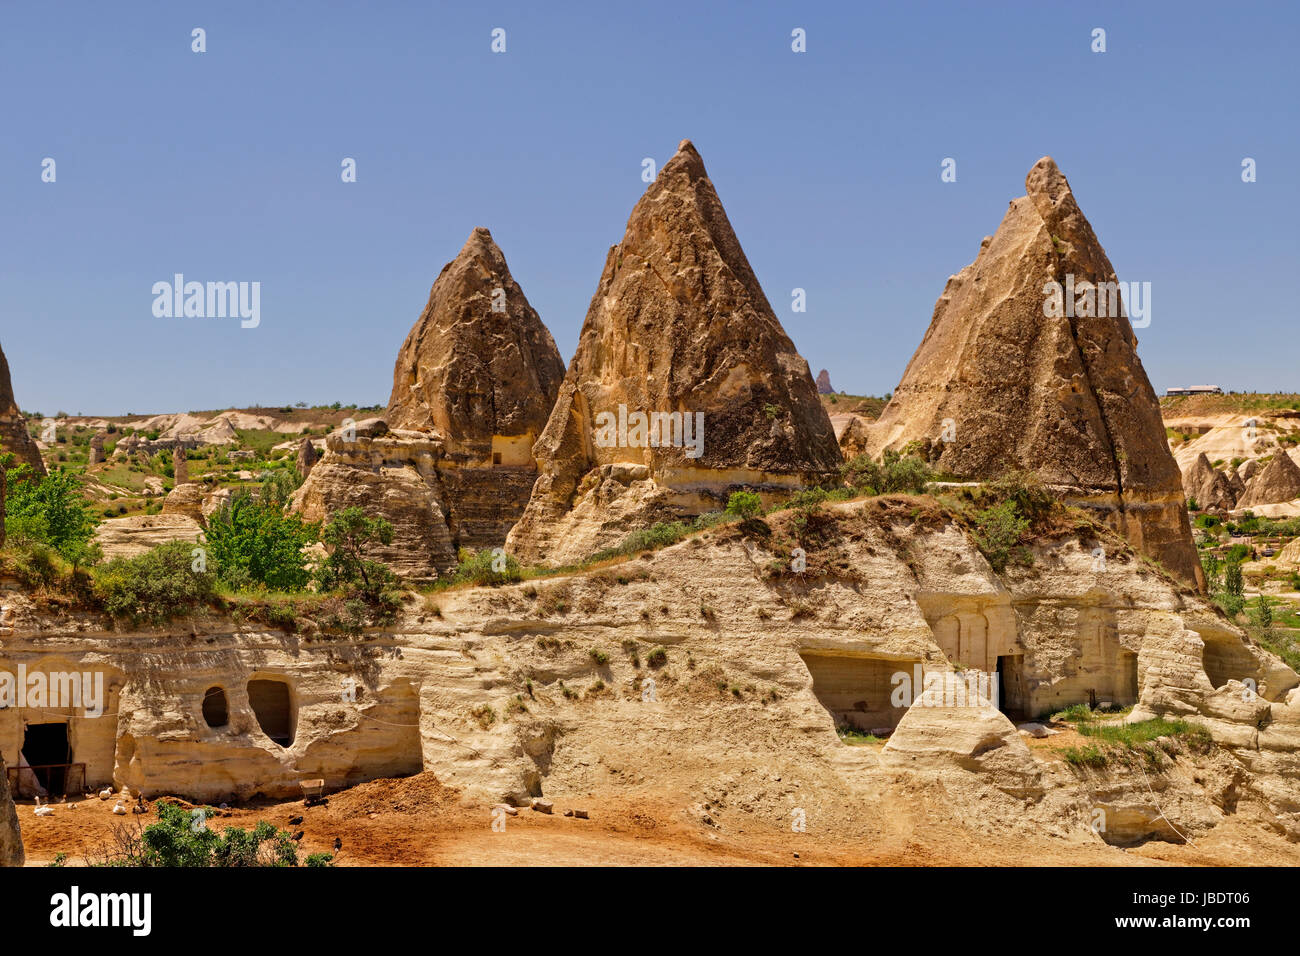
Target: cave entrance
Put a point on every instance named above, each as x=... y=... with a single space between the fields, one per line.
x=1011 y=686
x=857 y=691
x=273 y=708
x=216 y=711
x=49 y=755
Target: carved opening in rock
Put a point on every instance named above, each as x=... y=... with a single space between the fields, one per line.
x=273 y=706
x=1226 y=660
x=216 y=710
x=47 y=751
x=857 y=690
x=1011 y=686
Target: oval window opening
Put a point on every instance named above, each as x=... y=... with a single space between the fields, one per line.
x=216 y=712
x=273 y=708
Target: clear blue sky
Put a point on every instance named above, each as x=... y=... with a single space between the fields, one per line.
x=225 y=166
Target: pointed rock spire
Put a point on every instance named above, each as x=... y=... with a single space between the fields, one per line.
x=478 y=363
x=1211 y=490
x=679 y=326
x=1279 y=482
x=1018 y=369
x=13 y=427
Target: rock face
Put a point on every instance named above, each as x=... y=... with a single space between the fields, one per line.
x=683 y=388
x=1005 y=378
x=96 y=454
x=479 y=367
x=180 y=466
x=11 y=835
x=451 y=464
x=1278 y=482
x=306 y=457
x=186 y=499
x=1212 y=490
x=136 y=534
x=13 y=427
x=824 y=386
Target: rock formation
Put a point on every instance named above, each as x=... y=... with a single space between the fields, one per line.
x=96 y=454
x=683 y=388
x=1278 y=482
x=180 y=466
x=451 y=464
x=1212 y=490
x=11 y=834
x=824 y=386
x=13 y=427
x=306 y=457
x=135 y=534
x=1030 y=362
x=186 y=499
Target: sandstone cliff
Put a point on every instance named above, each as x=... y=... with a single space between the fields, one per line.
x=678 y=329
x=1005 y=378
x=496 y=690
x=13 y=427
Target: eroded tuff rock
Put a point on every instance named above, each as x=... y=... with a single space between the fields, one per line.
x=307 y=457
x=1013 y=386
x=887 y=596
x=1211 y=489
x=679 y=326
x=13 y=427
x=451 y=463
x=1277 y=482
x=134 y=535
x=11 y=834
x=824 y=386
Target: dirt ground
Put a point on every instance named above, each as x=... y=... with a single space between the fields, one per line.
x=416 y=821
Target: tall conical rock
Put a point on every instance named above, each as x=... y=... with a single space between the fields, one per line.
x=678 y=326
x=1211 y=489
x=451 y=463
x=13 y=427
x=479 y=367
x=1279 y=482
x=1004 y=379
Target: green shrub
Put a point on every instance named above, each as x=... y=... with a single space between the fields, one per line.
x=154 y=587
x=349 y=535
x=997 y=533
x=479 y=568
x=253 y=542
x=744 y=504
x=49 y=509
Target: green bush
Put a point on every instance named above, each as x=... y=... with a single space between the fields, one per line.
x=997 y=534
x=744 y=504
x=48 y=509
x=479 y=568
x=895 y=473
x=154 y=587
x=182 y=838
x=253 y=542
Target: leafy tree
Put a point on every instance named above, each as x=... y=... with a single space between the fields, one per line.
x=253 y=542
x=349 y=536
x=182 y=838
x=48 y=509
x=1264 y=613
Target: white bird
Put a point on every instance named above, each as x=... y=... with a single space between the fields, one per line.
x=119 y=809
x=105 y=793
x=42 y=811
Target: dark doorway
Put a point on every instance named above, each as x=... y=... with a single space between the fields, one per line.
x=48 y=753
x=273 y=708
x=215 y=710
x=1011 y=700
